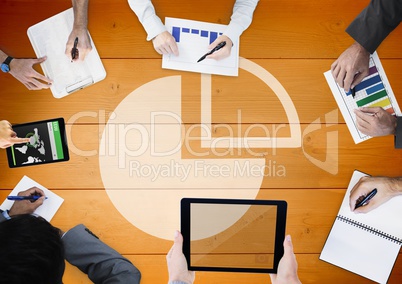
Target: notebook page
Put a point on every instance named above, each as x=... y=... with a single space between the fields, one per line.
x=383 y=218
x=50 y=205
x=360 y=252
x=49 y=38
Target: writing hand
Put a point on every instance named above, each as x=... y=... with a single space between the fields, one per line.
x=26 y=206
x=23 y=71
x=8 y=137
x=375 y=121
x=164 y=43
x=386 y=189
x=224 y=51
x=177 y=263
x=287 y=268
x=84 y=43
x=351 y=67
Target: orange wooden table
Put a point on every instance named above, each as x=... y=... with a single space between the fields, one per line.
x=295 y=40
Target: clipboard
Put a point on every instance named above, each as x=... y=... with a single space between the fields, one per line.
x=49 y=38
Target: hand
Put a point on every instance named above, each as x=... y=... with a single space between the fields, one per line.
x=386 y=189
x=26 y=206
x=224 y=51
x=8 y=137
x=164 y=43
x=351 y=67
x=22 y=70
x=375 y=121
x=287 y=269
x=84 y=43
x=176 y=262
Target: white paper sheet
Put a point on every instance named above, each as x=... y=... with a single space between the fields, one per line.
x=193 y=39
x=361 y=251
x=374 y=90
x=49 y=38
x=50 y=205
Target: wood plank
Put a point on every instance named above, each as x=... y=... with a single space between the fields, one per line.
x=311 y=270
x=302 y=79
x=82 y=171
x=311 y=213
x=276 y=31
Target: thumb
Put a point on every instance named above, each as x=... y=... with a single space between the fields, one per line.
x=288 y=245
x=213 y=44
x=178 y=239
x=40 y=60
x=370 y=109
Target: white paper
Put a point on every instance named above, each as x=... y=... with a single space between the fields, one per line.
x=49 y=38
x=347 y=103
x=358 y=250
x=193 y=39
x=50 y=205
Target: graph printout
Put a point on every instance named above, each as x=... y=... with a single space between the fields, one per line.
x=193 y=39
x=373 y=91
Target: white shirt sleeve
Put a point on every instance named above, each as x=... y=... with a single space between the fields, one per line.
x=145 y=12
x=241 y=18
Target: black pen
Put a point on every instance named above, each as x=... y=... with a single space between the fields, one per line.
x=366 y=199
x=353 y=91
x=74 y=50
x=216 y=48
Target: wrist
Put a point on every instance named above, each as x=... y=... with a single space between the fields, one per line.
x=396 y=185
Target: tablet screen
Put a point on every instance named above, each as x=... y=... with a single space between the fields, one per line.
x=233 y=235
x=47 y=143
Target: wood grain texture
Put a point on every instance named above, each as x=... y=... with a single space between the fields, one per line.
x=295 y=40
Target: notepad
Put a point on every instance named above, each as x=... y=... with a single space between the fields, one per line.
x=365 y=244
x=193 y=39
x=50 y=205
x=49 y=38
x=374 y=91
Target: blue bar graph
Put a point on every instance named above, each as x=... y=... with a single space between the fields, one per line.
x=176 y=32
x=375 y=89
x=366 y=83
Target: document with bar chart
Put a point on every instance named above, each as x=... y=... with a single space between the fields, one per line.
x=193 y=39
x=373 y=91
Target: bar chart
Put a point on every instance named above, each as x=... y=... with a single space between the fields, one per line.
x=374 y=91
x=371 y=92
x=212 y=35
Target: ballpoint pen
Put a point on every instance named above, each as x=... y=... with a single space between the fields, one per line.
x=31 y=197
x=216 y=48
x=366 y=199
x=74 y=50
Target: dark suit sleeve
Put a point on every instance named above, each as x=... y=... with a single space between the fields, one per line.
x=398 y=133
x=375 y=22
x=102 y=263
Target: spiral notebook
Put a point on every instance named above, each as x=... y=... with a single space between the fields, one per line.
x=365 y=244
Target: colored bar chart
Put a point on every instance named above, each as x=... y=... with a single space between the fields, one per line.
x=373 y=91
x=211 y=35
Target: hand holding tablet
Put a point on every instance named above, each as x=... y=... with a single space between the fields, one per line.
x=233 y=235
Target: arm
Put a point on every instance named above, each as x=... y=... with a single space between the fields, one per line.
x=80 y=31
x=287 y=269
x=369 y=29
x=22 y=70
x=102 y=263
x=8 y=137
x=240 y=20
x=163 y=41
x=386 y=189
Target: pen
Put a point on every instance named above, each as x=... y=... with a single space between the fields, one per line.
x=31 y=197
x=353 y=91
x=74 y=50
x=216 y=48
x=366 y=199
